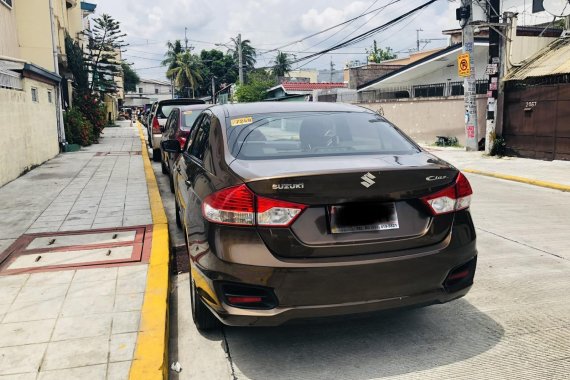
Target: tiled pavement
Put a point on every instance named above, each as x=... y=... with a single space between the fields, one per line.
x=74 y=323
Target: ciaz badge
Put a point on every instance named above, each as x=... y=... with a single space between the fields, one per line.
x=288 y=186
x=435 y=177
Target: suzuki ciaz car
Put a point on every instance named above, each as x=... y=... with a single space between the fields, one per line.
x=304 y=210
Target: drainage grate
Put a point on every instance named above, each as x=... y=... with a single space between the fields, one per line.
x=119 y=153
x=77 y=249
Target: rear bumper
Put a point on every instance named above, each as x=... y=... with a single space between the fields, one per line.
x=321 y=289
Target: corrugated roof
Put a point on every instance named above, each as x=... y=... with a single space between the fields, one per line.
x=303 y=86
x=554 y=59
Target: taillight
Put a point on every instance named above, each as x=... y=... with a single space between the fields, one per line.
x=182 y=141
x=155 y=125
x=238 y=205
x=453 y=198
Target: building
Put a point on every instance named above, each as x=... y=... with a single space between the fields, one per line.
x=299 y=91
x=310 y=74
x=34 y=80
x=537 y=104
x=148 y=91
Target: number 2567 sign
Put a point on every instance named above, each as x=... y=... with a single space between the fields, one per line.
x=463 y=65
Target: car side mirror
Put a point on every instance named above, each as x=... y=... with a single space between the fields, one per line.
x=171 y=146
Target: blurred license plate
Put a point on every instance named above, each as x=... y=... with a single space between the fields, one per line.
x=363 y=217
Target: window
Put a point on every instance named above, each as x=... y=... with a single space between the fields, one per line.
x=140 y=90
x=200 y=141
x=34 y=94
x=316 y=134
x=49 y=97
x=7 y=2
x=156 y=90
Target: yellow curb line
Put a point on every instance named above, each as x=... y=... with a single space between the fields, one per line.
x=529 y=181
x=151 y=353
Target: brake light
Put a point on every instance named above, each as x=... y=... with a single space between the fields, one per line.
x=182 y=141
x=155 y=125
x=238 y=205
x=453 y=198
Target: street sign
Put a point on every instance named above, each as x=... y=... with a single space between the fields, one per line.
x=491 y=69
x=463 y=65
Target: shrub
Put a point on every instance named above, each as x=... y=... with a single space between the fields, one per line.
x=498 y=145
x=78 y=130
x=91 y=106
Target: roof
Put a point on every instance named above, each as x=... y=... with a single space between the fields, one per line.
x=554 y=59
x=306 y=87
x=165 y=83
x=437 y=60
x=413 y=57
x=265 y=107
x=89 y=7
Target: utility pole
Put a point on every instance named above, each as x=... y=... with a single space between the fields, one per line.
x=418 y=38
x=465 y=16
x=58 y=97
x=213 y=90
x=185 y=39
x=494 y=71
x=240 y=59
x=332 y=70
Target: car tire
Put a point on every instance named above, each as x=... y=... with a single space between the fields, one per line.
x=171 y=180
x=177 y=211
x=202 y=316
x=163 y=167
x=156 y=155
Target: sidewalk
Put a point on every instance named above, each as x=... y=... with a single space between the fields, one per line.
x=76 y=235
x=534 y=172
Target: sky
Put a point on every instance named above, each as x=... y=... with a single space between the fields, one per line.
x=270 y=24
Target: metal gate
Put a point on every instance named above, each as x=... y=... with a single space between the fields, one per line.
x=537 y=121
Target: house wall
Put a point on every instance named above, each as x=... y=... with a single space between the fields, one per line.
x=524 y=46
x=34 y=139
x=425 y=119
x=310 y=74
x=34 y=32
x=8 y=30
x=357 y=76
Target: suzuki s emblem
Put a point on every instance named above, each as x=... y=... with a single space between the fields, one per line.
x=367 y=180
x=435 y=177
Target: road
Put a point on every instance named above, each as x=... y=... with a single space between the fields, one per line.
x=515 y=322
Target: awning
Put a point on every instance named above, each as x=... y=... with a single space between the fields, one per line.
x=554 y=59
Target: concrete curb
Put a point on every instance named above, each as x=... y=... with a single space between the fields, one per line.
x=151 y=353
x=529 y=181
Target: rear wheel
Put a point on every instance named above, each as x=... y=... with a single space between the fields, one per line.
x=202 y=316
x=171 y=179
x=178 y=219
x=163 y=167
x=156 y=155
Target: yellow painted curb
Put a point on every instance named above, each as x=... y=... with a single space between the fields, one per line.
x=529 y=181
x=151 y=353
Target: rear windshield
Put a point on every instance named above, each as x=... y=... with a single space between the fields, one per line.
x=188 y=118
x=165 y=108
x=312 y=134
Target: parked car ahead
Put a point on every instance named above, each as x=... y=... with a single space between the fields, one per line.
x=177 y=128
x=296 y=210
x=157 y=120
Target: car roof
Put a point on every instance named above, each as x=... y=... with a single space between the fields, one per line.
x=194 y=107
x=269 y=107
x=185 y=101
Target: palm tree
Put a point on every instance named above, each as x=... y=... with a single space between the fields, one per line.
x=282 y=64
x=186 y=71
x=170 y=56
x=248 y=53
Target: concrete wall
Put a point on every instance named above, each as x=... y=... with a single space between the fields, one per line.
x=359 y=75
x=425 y=119
x=8 y=32
x=34 y=32
x=28 y=129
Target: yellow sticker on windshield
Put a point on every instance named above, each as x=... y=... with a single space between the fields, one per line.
x=241 y=121
x=187 y=112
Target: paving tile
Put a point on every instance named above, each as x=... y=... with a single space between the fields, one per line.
x=50 y=278
x=20 y=333
x=21 y=359
x=118 y=370
x=92 y=289
x=34 y=310
x=20 y=376
x=128 y=302
x=92 y=372
x=96 y=274
x=41 y=293
x=75 y=227
x=86 y=306
x=13 y=280
x=134 y=283
x=82 y=327
x=76 y=353
x=8 y=294
x=122 y=347
x=125 y=322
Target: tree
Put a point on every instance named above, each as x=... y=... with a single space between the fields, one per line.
x=77 y=64
x=105 y=41
x=187 y=72
x=282 y=64
x=248 y=54
x=130 y=77
x=378 y=55
x=170 y=56
x=217 y=65
x=256 y=88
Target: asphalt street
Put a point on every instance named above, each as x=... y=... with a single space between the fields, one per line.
x=515 y=322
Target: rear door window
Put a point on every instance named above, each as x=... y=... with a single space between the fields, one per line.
x=200 y=139
x=311 y=134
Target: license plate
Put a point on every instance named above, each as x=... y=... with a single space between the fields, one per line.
x=363 y=217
